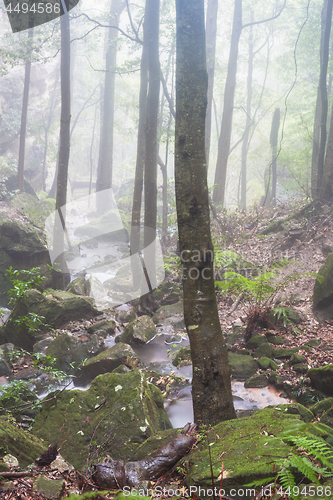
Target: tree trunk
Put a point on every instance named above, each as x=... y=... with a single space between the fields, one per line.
x=104 y=172
x=23 y=129
x=248 y=117
x=64 y=147
x=326 y=25
x=211 y=388
x=274 y=141
x=228 y=108
x=211 y=27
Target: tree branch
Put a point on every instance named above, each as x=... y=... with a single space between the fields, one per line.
x=266 y=20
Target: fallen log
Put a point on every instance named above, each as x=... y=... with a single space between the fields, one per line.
x=112 y=474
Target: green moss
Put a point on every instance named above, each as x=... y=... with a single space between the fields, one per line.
x=21 y=444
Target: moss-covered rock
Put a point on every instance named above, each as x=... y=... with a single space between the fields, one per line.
x=264 y=363
x=321 y=406
x=248 y=450
x=55 y=306
x=171 y=315
x=327 y=418
x=277 y=339
x=106 y=362
x=79 y=286
x=139 y=331
x=21 y=444
x=118 y=412
x=281 y=353
x=256 y=341
x=264 y=350
x=242 y=366
x=258 y=381
x=296 y=359
x=103 y=328
x=49 y=488
x=182 y=357
x=69 y=351
x=322 y=378
x=323 y=290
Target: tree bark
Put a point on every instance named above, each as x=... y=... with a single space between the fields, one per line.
x=211 y=28
x=228 y=108
x=104 y=171
x=23 y=128
x=274 y=141
x=211 y=388
x=326 y=26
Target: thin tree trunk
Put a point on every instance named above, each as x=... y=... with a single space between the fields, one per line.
x=274 y=141
x=228 y=108
x=211 y=388
x=23 y=128
x=211 y=28
x=323 y=94
x=248 y=117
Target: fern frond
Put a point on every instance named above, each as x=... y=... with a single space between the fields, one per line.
x=261 y=482
x=287 y=480
x=304 y=465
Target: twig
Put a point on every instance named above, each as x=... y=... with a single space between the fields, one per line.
x=236 y=304
x=15 y=474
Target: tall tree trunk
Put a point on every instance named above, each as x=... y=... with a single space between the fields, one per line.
x=211 y=28
x=274 y=141
x=228 y=108
x=64 y=147
x=152 y=14
x=104 y=172
x=211 y=388
x=323 y=94
x=23 y=128
x=248 y=117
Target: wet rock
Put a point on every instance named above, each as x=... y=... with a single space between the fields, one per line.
x=119 y=410
x=182 y=357
x=242 y=366
x=79 y=286
x=43 y=344
x=125 y=316
x=281 y=353
x=264 y=363
x=258 y=381
x=323 y=291
x=168 y=292
x=106 y=362
x=55 y=306
x=139 y=331
x=21 y=444
x=322 y=378
x=320 y=407
x=103 y=328
x=170 y=315
x=256 y=341
x=5 y=369
x=50 y=488
x=69 y=351
x=244 y=448
x=265 y=350
x=25 y=374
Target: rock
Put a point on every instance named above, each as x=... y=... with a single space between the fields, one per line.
x=321 y=406
x=290 y=315
x=301 y=367
x=265 y=350
x=21 y=444
x=103 y=328
x=280 y=352
x=297 y=409
x=322 y=378
x=296 y=359
x=242 y=366
x=5 y=369
x=118 y=411
x=106 y=362
x=244 y=447
x=55 y=306
x=79 y=286
x=22 y=246
x=182 y=357
x=264 y=363
x=277 y=340
x=43 y=344
x=170 y=315
x=125 y=316
x=258 y=381
x=50 y=488
x=168 y=292
x=323 y=291
x=69 y=351
x=235 y=338
x=139 y=331
x=313 y=342
x=256 y=341
x=327 y=418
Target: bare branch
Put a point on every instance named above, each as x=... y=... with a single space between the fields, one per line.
x=266 y=20
x=167 y=95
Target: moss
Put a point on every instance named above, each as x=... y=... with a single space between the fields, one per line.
x=21 y=444
x=242 y=366
x=119 y=410
x=321 y=406
x=280 y=352
x=182 y=357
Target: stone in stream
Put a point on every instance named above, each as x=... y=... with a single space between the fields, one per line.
x=171 y=315
x=242 y=366
x=139 y=331
x=118 y=412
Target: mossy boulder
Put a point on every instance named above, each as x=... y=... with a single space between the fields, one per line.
x=327 y=418
x=264 y=363
x=118 y=412
x=103 y=328
x=256 y=341
x=182 y=357
x=21 y=444
x=242 y=366
x=264 y=350
x=168 y=292
x=170 y=315
x=106 y=362
x=321 y=406
x=70 y=351
x=248 y=447
x=322 y=378
x=79 y=286
x=323 y=291
x=258 y=381
x=139 y=331
x=55 y=306
x=281 y=353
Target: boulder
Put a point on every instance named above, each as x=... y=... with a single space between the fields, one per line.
x=248 y=447
x=322 y=378
x=118 y=412
x=242 y=366
x=168 y=292
x=21 y=444
x=55 y=306
x=106 y=362
x=139 y=331
x=258 y=381
x=103 y=328
x=264 y=350
x=69 y=351
x=256 y=341
x=323 y=291
x=182 y=357
x=280 y=352
x=79 y=286
x=171 y=315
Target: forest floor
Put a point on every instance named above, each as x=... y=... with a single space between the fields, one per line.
x=303 y=243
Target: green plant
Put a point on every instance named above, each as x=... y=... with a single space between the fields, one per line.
x=33 y=322
x=22 y=281
x=311 y=458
